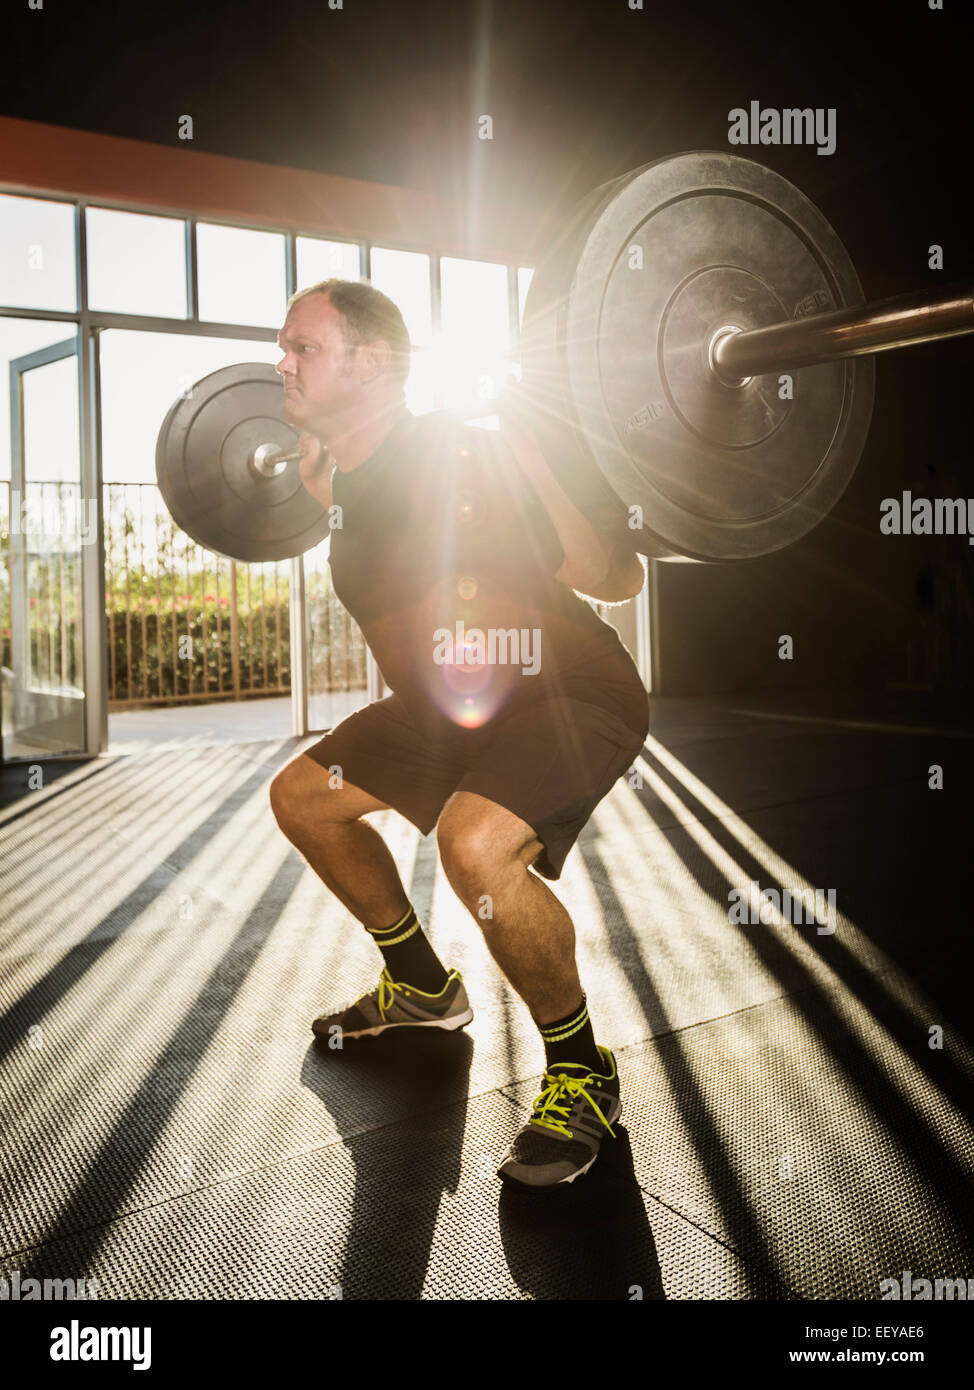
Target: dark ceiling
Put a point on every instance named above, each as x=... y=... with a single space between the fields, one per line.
x=579 y=91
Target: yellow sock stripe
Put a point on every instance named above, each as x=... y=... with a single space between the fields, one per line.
x=380 y=935
x=574 y=1025
x=396 y=939
x=403 y=919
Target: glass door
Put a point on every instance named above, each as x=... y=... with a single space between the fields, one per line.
x=44 y=692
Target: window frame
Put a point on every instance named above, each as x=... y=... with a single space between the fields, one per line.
x=91 y=322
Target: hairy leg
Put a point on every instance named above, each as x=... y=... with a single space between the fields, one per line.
x=349 y=856
x=486 y=850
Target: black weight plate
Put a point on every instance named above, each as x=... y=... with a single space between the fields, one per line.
x=719 y=473
x=545 y=385
x=205 y=474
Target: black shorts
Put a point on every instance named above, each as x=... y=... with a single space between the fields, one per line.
x=550 y=763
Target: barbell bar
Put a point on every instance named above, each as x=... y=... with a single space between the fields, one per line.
x=879 y=326
x=654 y=335
x=269 y=460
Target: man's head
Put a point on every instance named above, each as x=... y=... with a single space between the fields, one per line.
x=346 y=356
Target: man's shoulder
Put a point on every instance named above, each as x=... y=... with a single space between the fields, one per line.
x=447 y=434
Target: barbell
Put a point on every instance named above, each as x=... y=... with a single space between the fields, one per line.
x=227 y=468
x=695 y=353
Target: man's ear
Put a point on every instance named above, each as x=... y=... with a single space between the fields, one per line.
x=377 y=358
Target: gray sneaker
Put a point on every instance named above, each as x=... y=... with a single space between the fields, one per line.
x=393 y=1004
x=569 y=1120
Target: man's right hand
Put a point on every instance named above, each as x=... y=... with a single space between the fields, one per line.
x=315 y=469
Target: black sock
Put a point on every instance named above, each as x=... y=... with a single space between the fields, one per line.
x=570 y=1039
x=410 y=958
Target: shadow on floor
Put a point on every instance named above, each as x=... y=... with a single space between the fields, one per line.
x=590 y=1239
x=400 y=1172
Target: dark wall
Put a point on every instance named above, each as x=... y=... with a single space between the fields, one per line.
x=863 y=608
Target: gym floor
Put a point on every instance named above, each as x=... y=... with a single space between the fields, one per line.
x=168 y=1129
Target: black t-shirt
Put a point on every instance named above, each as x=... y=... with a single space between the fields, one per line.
x=446 y=558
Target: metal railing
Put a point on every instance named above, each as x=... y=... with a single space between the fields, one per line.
x=184 y=625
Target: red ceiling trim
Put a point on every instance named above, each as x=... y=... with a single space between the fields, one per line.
x=56 y=160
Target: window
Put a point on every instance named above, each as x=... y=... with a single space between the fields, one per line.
x=524 y=278
x=142 y=374
x=241 y=275
x=37 y=264
x=327 y=260
x=136 y=264
x=18 y=337
x=405 y=277
x=475 y=340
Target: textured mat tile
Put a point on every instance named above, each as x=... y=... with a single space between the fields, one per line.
x=809 y=1138
x=162 y=951
x=410 y=1211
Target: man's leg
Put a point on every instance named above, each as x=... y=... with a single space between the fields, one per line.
x=352 y=859
x=487 y=852
x=349 y=856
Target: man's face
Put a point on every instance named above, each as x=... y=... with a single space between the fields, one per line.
x=323 y=380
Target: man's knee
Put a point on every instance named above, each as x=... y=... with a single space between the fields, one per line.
x=465 y=848
x=481 y=844
x=305 y=792
x=288 y=793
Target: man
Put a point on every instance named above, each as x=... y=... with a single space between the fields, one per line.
x=514 y=707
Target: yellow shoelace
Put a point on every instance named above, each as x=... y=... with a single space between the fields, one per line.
x=561 y=1088
x=387 y=992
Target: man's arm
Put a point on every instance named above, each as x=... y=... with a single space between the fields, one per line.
x=625 y=576
x=600 y=566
